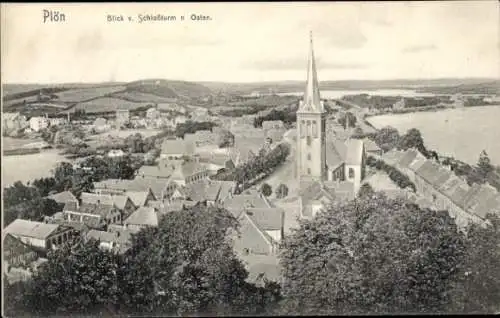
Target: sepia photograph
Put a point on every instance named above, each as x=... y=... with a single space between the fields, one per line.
x=250 y=158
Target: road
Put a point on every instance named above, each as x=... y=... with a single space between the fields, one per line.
x=359 y=112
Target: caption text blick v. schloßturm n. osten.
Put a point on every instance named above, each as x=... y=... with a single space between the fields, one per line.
x=157 y=18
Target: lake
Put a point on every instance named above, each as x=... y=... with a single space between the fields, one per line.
x=462 y=133
x=329 y=94
x=29 y=167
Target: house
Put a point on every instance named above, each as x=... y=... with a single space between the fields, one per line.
x=441 y=189
x=63 y=197
x=201 y=138
x=121 y=202
x=38 y=123
x=122 y=117
x=400 y=104
x=17 y=253
x=38 y=235
x=159 y=187
x=210 y=191
x=176 y=149
x=142 y=217
x=163 y=170
x=115 y=153
x=141 y=198
x=116 y=239
x=273 y=124
x=57 y=121
x=218 y=161
x=189 y=172
x=101 y=125
x=260 y=231
x=12 y=122
x=316 y=196
x=152 y=113
x=372 y=148
x=95 y=216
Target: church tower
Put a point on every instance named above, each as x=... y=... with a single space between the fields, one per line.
x=311 y=125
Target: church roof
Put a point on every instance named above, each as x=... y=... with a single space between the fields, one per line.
x=312 y=99
x=354 y=153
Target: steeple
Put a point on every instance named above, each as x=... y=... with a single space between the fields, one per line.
x=312 y=99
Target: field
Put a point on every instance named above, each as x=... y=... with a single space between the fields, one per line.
x=85 y=94
x=139 y=97
x=107 y=104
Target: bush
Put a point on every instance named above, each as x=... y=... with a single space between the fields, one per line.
x=266 y=189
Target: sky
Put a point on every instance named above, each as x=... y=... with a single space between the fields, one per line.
x=251 y=42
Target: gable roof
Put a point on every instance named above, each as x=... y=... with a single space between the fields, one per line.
x=32 y=229
x=139 y=198
x=392 y=156
x=138 y=184
x=315 y=191
x=354 y=153
x=143 y=216
x=188 y=169
x=93 y=198
x=159 y=171
x=407 y=158
x=12 y=244
x=267 y=219
x=96 y=209
x=335 y=153
x=370 y=145
x=238 y=203
x=120 y=201
x=63 y=197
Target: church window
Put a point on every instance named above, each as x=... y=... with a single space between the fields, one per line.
x=314 y=129
x=308 y=140
x=351 y=173
x=308 y=156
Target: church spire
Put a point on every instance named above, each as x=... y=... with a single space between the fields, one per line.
x=312 y=100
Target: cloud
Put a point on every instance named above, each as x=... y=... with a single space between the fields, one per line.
x=419 y=48
x=294 y=64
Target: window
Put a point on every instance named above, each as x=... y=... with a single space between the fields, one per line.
x=245 y=251
x=308 y=170
x=314 y=129
x=302 y=128
x=308 y=156
x=308 y=140
x=351 y=173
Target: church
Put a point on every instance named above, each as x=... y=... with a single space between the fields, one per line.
x=328 y=168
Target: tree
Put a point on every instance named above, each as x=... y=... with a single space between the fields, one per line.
x=478 y=290
x=484 y=166
x=412 y=139
x=266 y=189
x=387 y=138
x=365 y=190
x=187 y=266
x=224 y=138
x=372 y=255
x=80 y=279
x=281 y=191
